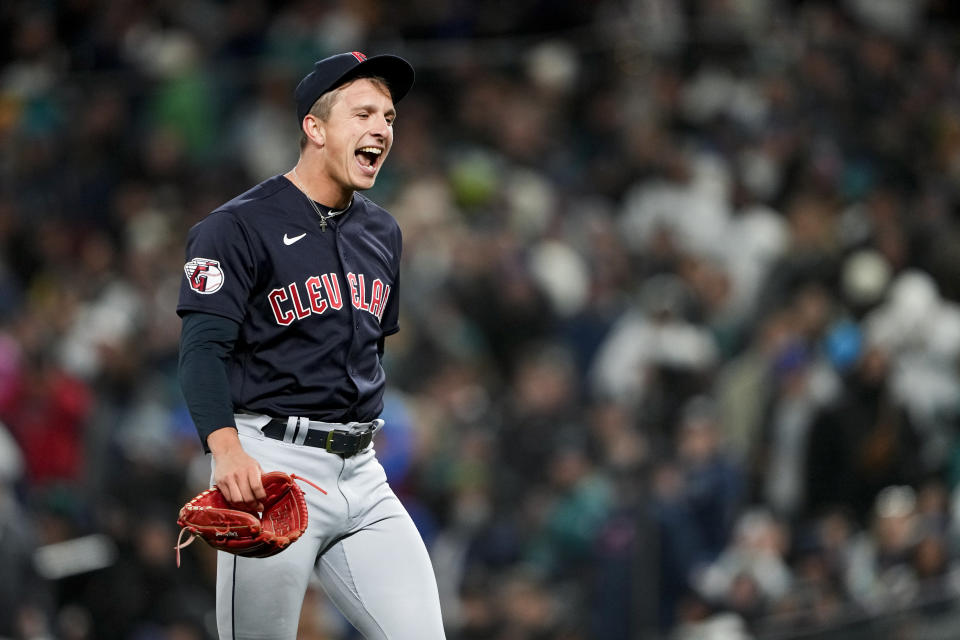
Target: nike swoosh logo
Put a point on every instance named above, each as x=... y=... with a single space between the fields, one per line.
x=289 y=241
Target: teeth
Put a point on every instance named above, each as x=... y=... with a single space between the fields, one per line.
x=373 y=150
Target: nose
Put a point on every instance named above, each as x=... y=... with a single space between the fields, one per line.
x=381 y=127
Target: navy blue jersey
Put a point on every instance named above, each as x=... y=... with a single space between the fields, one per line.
x=312 y=304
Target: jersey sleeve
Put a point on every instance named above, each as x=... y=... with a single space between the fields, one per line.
x=390 y=322
x=219 y=270
x=205 y=342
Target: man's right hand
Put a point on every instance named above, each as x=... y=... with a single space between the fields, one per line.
x=235 y=472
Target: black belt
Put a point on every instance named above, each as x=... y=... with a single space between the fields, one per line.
x=337 y=441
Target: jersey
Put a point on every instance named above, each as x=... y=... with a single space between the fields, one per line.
x=313 y=299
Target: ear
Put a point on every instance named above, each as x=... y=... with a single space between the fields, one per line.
x=314 y=130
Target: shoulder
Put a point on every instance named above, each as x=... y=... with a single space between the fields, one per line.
x=263 y=202
x=266 y=193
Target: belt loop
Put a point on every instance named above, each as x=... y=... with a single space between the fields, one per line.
x=291 y=430
x=301 y=435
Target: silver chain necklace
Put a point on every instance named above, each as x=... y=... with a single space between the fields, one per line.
x=323 y=218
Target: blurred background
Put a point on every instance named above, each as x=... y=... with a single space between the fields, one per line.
x=680 y=330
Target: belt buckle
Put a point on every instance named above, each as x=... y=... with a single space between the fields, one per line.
x=336 y=441
x=329 y=445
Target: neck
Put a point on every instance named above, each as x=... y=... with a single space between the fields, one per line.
x=317 y=188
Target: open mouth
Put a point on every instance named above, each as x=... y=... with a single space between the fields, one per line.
x=368 y=158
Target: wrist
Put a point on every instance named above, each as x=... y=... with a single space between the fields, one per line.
x=224 y=440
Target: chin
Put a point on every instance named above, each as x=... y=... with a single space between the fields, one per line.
x=364 y=184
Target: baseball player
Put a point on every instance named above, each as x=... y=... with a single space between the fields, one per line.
x=288 y=293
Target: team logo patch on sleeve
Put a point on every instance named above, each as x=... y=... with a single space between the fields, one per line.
x=204 y=275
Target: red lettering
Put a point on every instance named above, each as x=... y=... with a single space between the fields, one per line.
x=354 y=294
x=376 y=290
x=324 y=293
x=276 y=297
x=363 y=303
x=332 y=286
x=386 y=295
x=297 y=303
x=315 y=293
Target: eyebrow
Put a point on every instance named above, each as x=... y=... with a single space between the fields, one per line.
x=369 y=107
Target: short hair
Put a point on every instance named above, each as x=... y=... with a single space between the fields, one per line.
x=324 y=105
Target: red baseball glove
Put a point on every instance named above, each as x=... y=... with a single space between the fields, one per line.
x=227 y=527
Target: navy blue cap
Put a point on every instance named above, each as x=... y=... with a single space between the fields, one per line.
x=330 y=73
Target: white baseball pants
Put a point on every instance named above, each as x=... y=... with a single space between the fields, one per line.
x=360 y=542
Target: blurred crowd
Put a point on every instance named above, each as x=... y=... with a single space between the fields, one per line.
x=680 y=341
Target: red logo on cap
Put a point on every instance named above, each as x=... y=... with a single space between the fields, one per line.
x=359 y=56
